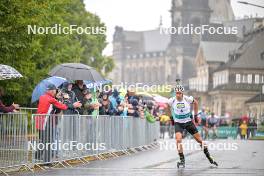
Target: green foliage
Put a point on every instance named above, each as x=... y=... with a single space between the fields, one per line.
x=33 y=55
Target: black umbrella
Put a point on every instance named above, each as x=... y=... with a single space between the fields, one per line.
x=76 y=71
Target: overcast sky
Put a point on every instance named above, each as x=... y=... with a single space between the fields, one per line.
x=145 y=14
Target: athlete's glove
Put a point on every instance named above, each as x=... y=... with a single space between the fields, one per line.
x=196 y=118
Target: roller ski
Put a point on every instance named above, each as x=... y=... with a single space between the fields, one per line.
x=181 y=164
x=210 y=159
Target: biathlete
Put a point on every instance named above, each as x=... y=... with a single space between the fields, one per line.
x=181 y=111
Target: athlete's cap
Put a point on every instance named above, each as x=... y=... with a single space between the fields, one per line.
x=51 y=87
x=179 y=88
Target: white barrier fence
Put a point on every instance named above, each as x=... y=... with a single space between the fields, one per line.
x=58 y=138
x=13 y=140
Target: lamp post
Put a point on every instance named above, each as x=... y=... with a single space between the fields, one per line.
x=247 y=3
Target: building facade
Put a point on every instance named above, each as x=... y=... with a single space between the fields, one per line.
x=154 y=58
x=238 y=77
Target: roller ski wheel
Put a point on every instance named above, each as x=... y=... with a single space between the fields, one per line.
x=181 y=164
x=212 y=161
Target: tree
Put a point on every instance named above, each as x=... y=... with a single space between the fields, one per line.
x=33 y=55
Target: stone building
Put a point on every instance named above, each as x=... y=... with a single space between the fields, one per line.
x=228 y=78
x=210 y=56
x=153 y=58
x=241 y=77
x=255 y=107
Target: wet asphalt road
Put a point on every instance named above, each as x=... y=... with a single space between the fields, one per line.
x=245 y=158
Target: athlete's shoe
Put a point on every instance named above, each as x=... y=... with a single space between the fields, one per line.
x=181 y=163
x=212 y=161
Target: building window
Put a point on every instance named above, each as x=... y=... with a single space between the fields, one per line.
x=249 y=78
x=238 y=78
x=223 y=77
x=256 y=79
x=262 y=79
x=244 y=79
x=217 y=79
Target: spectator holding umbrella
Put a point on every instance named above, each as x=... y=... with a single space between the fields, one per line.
x=68 y=98
x=6 y=109
x=78 y=89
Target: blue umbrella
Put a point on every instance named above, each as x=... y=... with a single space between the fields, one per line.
x=40 y=89
x=91 y=84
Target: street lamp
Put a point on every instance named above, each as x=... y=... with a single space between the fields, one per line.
x=247 y=3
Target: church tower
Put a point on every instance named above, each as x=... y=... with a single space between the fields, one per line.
x=183 y=47
x=184 y=12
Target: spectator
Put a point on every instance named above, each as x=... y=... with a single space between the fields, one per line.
x=164 y=124
x=48 y=99
x=115 y=99
x=252 y=128
x=89 y=105
x=243 y=127
x=133 y=108
x=6 y=109
x=46 y=125
x=140 y=100
x=212 y=124
x=106 y=107
x=141 y=111
x=204 y=124
x=238 y=128
x=68 y=98
x=120 y=110
x=78 y=89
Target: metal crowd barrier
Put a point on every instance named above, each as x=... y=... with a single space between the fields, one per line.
x=58 y=138
x=28 y=110
x=13 y=140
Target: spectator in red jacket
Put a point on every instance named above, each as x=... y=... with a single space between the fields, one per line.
x=46 y=103
x=6 y=109
x=46 y=123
